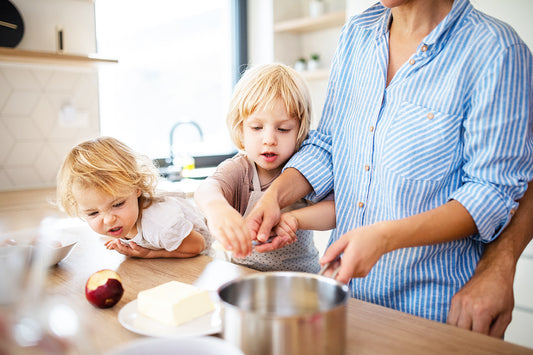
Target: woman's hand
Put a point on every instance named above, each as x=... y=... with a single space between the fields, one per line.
x=261 y=221
x=361 y=249
x=264 y=216
x=286 y=189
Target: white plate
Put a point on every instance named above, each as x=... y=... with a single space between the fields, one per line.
x=209 y=323
x=191 y=346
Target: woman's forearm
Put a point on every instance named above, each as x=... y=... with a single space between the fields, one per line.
x=452 y=221
x=289 y=187
x=448 y=222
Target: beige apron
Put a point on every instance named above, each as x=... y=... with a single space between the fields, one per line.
x=299 y=256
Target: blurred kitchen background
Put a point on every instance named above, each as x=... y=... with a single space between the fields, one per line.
x=139 y=70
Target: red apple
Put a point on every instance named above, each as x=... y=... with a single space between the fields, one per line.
x=104 y=288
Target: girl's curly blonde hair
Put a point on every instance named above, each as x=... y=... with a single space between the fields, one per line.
x=258 y=88
x=109 y=165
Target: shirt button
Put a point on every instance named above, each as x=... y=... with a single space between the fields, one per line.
x=424 y=48
x=360 y=204
x=411 y=61
x=512 y=212
x=430 y=116
x=367 y=167
x=371 y=128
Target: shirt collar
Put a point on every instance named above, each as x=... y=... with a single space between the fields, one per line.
x=459 y=9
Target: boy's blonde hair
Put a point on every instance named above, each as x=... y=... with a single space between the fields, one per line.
x=109 y=165
x=258 y=88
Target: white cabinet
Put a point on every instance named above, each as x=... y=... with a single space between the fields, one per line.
x=520 y=330
x=304 y=37
x=297 y=35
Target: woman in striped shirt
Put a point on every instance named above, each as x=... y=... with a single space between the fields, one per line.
x=426 y=137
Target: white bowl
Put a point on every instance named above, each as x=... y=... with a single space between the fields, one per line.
x=55 y=245
x=60 y=253
x=205 y=345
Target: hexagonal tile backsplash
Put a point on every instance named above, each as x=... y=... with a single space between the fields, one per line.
x=43 y=112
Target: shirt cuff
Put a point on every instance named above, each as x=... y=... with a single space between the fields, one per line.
x=491 y=213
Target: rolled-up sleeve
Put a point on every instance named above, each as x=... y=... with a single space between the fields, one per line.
x=315 y=163
x=498 y=142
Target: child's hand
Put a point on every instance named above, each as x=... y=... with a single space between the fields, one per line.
x=361 y=248
x=284 y=234
x=228 y=227
x=286 y=228
x=129 y=249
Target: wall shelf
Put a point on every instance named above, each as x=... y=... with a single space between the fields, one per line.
x=39 y=57
x=307 y=24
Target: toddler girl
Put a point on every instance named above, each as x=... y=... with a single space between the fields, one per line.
x=111 y=187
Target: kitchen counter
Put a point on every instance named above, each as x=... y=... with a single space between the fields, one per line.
x=371 y=329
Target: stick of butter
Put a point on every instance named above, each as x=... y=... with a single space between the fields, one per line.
x=174 y=303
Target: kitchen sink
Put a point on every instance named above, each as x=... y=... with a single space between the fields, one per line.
x=202 y=163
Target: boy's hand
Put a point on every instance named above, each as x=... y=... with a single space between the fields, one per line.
x=284 y=233
x=229 y=228
x=286 y=228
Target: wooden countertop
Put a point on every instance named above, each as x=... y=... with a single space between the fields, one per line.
x=371 y=329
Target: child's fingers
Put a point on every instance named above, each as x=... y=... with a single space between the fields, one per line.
x=242 y=235
x=290 y=235
x=226 y=243
x=111 y=244
x=236 y=239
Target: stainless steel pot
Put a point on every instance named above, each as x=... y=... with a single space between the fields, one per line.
x=285 y=313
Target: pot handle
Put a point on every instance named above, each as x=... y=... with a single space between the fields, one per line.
x=326 y=266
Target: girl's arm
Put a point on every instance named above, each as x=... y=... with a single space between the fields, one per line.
x=225 y=223
x=191 y=246
x=362 y=247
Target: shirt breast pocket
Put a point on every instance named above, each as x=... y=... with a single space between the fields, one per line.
x=421 y=143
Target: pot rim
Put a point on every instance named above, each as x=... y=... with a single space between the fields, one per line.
x=270 y=315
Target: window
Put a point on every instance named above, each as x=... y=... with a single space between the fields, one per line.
x=176 y=63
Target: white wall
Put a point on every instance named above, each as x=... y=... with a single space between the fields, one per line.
x=41 y=17
x=517 y=13
x=260 y=31
x=35 y=133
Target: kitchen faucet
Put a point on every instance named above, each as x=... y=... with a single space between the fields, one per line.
x=176 y=125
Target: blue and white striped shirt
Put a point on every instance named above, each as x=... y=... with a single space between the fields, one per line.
x=455 y=122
